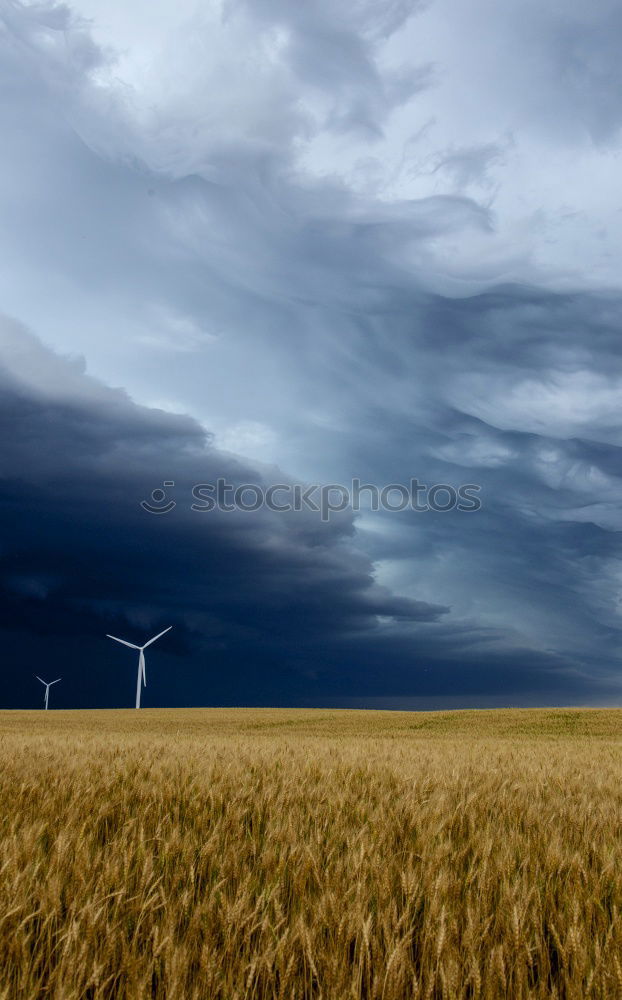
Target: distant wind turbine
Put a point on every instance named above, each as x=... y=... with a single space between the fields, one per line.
x=47 y=685
x=141 y=658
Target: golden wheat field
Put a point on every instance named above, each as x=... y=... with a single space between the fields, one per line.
x=224 y=854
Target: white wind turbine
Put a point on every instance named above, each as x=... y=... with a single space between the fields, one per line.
x=47 y=685
x=141 y=658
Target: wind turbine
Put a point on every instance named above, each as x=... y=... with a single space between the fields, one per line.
x=141 y=658
x=47 y=686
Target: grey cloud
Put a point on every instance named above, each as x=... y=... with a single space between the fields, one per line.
x=584 y=40
x=80 y=552
x=554 y=65
x=469 y=165
x=333 y=51
x=306 y=309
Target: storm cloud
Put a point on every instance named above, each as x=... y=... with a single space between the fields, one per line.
x=312 y=244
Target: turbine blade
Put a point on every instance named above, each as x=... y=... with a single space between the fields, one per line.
x=56 y=681
x=142 y=667
x=125 y=643
x=39 y=678
x=157 y=636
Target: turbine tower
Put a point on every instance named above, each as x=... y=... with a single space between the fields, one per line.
x=141 y=658
x=47 y=685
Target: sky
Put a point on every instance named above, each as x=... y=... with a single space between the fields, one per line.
x=287 y=244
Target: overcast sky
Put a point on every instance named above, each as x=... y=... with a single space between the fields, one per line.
x=281 y=242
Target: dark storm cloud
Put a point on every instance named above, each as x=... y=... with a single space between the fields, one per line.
x=80 y=556
x=518 y=391
x=172 y=230
x=268 y=606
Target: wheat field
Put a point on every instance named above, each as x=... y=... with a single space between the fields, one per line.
x=221 y=854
